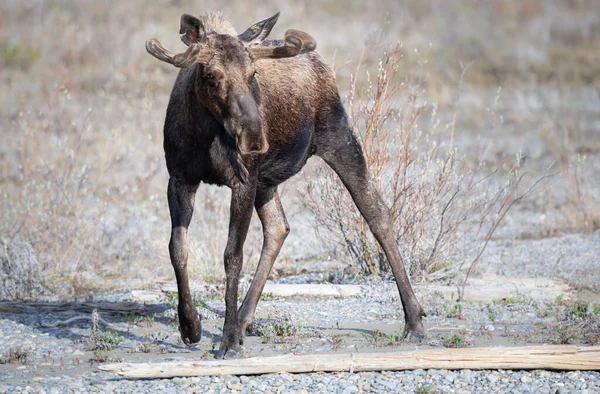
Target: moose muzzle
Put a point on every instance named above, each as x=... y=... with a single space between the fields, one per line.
x=245 y=123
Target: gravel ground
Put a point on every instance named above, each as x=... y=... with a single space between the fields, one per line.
x=60 y=359
x=431 y=381
x=63 y=359
x=572 y=257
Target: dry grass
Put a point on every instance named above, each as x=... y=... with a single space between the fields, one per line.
x=87 y=188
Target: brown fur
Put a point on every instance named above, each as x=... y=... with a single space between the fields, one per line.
x=249 y=117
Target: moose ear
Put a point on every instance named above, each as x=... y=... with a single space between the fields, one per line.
x=191 y=30
x=260 y=30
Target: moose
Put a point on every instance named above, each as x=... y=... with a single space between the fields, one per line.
x=247 y=113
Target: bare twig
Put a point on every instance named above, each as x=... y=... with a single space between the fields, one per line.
x=505 y=206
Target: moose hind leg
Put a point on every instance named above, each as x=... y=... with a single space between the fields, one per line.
x=344 y=155
x=275 y=230
x=181 y=206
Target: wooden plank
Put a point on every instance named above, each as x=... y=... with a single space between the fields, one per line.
x=560 y=357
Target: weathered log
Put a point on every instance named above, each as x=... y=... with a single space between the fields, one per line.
x=530 y=357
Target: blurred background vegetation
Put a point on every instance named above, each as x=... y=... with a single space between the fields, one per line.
x=82 y=174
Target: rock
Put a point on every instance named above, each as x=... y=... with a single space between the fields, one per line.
x=493 y=379
x=147 y=296
x=19 y=272
x=286 y=376
x=182 y=381
x=450 y=377
x=573 y=375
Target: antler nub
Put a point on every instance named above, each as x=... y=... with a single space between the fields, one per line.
x=180 y=60
x=296 y=42
x=304 y=42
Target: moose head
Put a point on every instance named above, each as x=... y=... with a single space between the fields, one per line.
x=225 y=81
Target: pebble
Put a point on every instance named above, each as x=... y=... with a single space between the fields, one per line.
x=493 y=378
x=573 y=375
x=450 y=377
x=234 y=386
x=287 y=377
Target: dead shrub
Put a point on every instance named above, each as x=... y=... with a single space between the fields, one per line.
x=444 y=207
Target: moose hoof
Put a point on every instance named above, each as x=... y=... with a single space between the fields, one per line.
x=413 y=333
x=190 y=326
x=191 y=341
x=228 y=352
x=191 y=336
x=413 y=337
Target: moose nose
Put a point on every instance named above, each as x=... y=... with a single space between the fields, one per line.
x=252 y=137
x=247 y=113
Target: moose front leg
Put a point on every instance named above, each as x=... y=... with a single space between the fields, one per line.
x=181 y=205
x=275 y=230
x=242 y=204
